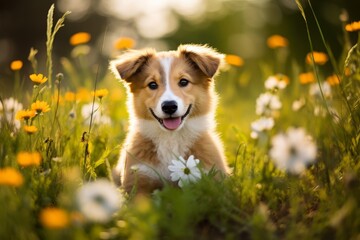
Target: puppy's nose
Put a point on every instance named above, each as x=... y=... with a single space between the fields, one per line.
x=169 y=107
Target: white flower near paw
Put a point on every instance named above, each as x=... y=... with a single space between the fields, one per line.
x=185 y=171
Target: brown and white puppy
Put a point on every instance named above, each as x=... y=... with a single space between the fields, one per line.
x=171 y=103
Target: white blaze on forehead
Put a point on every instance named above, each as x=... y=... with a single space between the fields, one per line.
x=166 y=63
x=168 y=94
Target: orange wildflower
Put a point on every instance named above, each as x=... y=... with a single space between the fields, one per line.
x=80 y=38
x=38 y=78
x=319 y=58
x=11 y=177
x=30 y=129
x=234 y=60
x=277 y=41
x=54 y=218
x=25 y=114
x=333 y=80
x=16 y=65
x=40 y=106
x=26 y=159
x=353 y=27
x=306 y=78
x=124 y=43
x=347 y=71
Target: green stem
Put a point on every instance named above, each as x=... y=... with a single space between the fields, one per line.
x=58 y=80
x=86 y=153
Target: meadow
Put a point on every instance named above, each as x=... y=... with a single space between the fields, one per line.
x=293 y=150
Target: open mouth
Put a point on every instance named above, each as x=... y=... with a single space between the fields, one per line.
x=171 y=123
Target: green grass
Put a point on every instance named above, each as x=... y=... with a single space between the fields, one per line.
x=257 y=201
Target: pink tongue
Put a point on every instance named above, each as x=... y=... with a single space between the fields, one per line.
x=172 y=123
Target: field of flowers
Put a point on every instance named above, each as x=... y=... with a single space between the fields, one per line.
x=294 y=151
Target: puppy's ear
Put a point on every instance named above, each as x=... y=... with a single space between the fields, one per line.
x=130 y=63
x=205 y=58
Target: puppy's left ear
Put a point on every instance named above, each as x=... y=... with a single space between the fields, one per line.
x=205 y=58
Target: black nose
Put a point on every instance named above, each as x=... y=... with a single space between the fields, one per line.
x=169 y=107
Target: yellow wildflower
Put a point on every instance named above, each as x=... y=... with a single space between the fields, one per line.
x=234 y=60
x=319 y=58
x=16 y=65
x=277 y=41
x=83 y=95
x=38 y=78
x=100 y=93
x=25 y=114
x=30 y=129
x=69 y=96
x=124 y=43
x=353 y=27
x=333 y=80
x=306 y=78
x=54 y=218
x=11 y=177
x=80 y=38
x=26 y=159
x=40 y=106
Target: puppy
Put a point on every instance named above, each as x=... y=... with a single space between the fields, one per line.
x=171 y=103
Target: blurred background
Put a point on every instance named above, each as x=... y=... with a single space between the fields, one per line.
x=238 y=27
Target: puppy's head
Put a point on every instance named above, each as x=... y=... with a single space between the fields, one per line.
x=169 y=86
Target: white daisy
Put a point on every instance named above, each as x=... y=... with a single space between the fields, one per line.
x=261 y=125
x=185 y=171
x=314 y=89
x=298 y=104
x=99 y=200
x=293 y=151
x=266 y=103
x=8 y=108
x=98 y=118
x=274 y=83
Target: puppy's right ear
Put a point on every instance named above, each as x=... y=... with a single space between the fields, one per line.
x=130 y=63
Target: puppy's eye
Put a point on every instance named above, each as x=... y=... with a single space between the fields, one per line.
x=183 y=82
x=153 y=85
